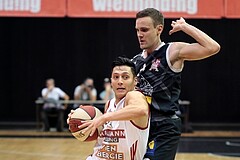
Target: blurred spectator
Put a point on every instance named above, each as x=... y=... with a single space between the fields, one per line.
x=51 y=95
x=86 y=91
x=107 y=93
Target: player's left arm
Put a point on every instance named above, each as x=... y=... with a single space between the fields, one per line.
x=136 y=109
x=204 y=47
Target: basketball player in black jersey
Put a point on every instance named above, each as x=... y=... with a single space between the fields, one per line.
x=159 y=68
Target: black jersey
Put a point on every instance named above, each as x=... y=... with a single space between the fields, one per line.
x=158 y=81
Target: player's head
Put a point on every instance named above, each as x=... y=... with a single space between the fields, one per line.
x=124 y=61
x=123 y=76
x=155 y=15
x=149 y=26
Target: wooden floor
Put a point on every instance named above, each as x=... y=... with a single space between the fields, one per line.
x=33 y=145
x=66 y=133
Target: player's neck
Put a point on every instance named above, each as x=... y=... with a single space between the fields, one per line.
x=152 y=49
x=117 y=100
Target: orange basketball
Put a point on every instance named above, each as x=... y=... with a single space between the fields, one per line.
x=84 y=113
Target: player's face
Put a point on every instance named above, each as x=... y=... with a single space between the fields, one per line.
x=148 y=35
x=122 y=81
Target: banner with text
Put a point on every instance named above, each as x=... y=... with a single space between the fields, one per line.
x=128 y=8
x=232 y=8
x=33 y=8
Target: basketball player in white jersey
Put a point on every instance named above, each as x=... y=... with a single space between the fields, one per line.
x=126 y=119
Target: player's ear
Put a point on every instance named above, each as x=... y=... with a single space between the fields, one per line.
x=135 y=81
x=159 y=29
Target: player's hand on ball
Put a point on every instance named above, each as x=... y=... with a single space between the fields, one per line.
x=82 y=123
x=92 y=125
x=70 y=114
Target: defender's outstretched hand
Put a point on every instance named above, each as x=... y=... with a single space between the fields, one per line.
x=176 y=25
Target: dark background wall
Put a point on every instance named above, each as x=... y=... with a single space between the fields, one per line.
x=69 y=50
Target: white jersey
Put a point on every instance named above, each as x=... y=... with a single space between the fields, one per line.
x=120 y=140
x=56 y=93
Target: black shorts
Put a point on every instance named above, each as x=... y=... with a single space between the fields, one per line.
x=163 y=139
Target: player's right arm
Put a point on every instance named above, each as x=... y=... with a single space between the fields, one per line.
x=204 y=47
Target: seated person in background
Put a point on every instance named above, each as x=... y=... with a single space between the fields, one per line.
x=51 y=95
x=86 y=91
x=107 y=93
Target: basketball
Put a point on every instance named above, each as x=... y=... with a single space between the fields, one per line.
x=84 y=113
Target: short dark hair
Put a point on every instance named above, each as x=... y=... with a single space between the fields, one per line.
x=123 y=61
x=154 y=14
